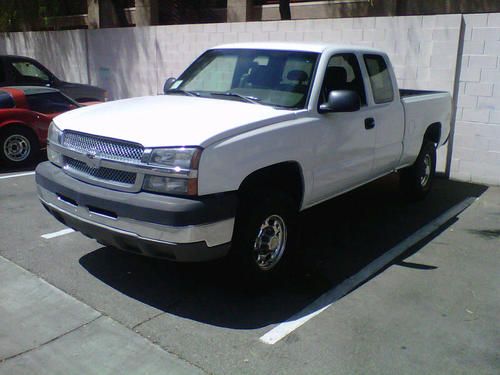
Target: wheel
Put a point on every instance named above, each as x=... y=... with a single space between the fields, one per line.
x=416 y=181
x=18 y=146
x=265 y=232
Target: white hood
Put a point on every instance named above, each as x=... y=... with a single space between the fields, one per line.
x=170 y=120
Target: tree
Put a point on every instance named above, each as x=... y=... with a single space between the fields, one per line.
x=24 y=15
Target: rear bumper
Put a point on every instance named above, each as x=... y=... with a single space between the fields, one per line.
x=154 y=225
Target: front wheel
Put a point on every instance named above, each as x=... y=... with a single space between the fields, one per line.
x=18 y=146
x=265 y=232
x=416 y=180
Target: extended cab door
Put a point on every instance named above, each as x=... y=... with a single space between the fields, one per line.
x=387 y=112
x=345 y=144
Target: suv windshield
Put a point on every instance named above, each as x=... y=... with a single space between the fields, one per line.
x=275 y=78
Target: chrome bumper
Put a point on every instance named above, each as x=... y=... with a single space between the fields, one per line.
x=187 y=243
x=212 y=234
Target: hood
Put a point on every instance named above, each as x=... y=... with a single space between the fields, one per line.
x=170 y=120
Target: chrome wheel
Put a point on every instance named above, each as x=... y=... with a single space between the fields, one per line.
x=424 y=180
x=17 y=148
x=270 y=243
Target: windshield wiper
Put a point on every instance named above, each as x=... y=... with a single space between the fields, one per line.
x=184 y=92
x=248 y=99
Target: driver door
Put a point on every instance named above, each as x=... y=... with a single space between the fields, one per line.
x=345 y=148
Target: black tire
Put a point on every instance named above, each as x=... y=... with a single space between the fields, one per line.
x=269 y=218
x=18 y=146
x=416 y=181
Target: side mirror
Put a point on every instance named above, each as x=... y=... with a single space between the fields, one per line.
x=341 y=101
x=168 y=83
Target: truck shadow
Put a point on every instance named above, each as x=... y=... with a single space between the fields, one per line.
x=339 y=238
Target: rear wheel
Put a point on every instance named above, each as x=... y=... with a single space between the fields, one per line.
x=416 y=181
x=265 y=232
x=18 y=146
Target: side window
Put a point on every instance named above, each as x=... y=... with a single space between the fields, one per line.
x=25 y=71
x=380 y=79
x=6 y=100
x=52 y=102
x=343 y=73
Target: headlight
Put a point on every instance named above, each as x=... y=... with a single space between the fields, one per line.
x=180 y=159
x=54 y=133
x=182 y=165
x=54 y=137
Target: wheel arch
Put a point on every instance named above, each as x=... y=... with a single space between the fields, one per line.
x=433 y=133
x=20 y=125
x=286 y=176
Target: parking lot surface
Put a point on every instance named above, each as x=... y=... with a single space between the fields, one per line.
x=69 y=305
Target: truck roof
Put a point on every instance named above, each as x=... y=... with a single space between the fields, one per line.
x=297 y=46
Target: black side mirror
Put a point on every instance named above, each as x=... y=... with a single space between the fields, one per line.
x=341 y=101
x=168 y=84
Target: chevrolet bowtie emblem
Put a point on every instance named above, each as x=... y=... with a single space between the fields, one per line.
x=92 y=161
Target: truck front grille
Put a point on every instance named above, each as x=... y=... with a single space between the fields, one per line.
x=103 y=174
x=104 y=147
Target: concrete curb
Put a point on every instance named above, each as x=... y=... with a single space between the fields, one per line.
x=46 y=331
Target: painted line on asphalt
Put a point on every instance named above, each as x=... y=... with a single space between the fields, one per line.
x=59 y=233
x=327 y=299
x=17 y=175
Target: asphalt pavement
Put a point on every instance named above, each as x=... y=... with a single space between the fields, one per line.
x=71 y=306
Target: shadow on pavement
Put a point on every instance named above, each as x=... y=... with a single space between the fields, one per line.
x=339 y=238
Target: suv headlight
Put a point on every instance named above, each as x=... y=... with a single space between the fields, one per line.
x=54 y=137
x=181 y=165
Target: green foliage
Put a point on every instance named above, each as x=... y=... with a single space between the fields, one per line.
x=22 y=15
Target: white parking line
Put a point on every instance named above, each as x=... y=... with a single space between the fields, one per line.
x=328 y=298
x=59 y=233
x=17 y=175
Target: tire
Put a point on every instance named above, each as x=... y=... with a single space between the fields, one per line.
x=18 y=146
x=416 y=181
x=265 y=233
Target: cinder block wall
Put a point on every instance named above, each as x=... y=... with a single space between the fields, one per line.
x=476 y=150
x=424 y=51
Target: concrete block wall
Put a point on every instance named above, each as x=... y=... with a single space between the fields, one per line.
x=423 y=49
x=476 y=147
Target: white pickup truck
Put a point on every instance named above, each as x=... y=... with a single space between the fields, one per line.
x=246 y=138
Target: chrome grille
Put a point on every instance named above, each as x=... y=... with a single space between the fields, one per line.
x=102 y=173
x=104 y=147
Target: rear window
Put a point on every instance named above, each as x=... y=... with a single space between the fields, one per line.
x=6 y=100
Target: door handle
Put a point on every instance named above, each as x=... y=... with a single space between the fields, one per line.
x=369 y=123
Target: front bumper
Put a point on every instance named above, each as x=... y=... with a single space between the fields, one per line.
x=169 y=227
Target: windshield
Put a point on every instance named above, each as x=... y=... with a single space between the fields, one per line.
x=275 y=78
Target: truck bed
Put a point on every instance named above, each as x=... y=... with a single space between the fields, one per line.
x=423 y=108
x=404 y=93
